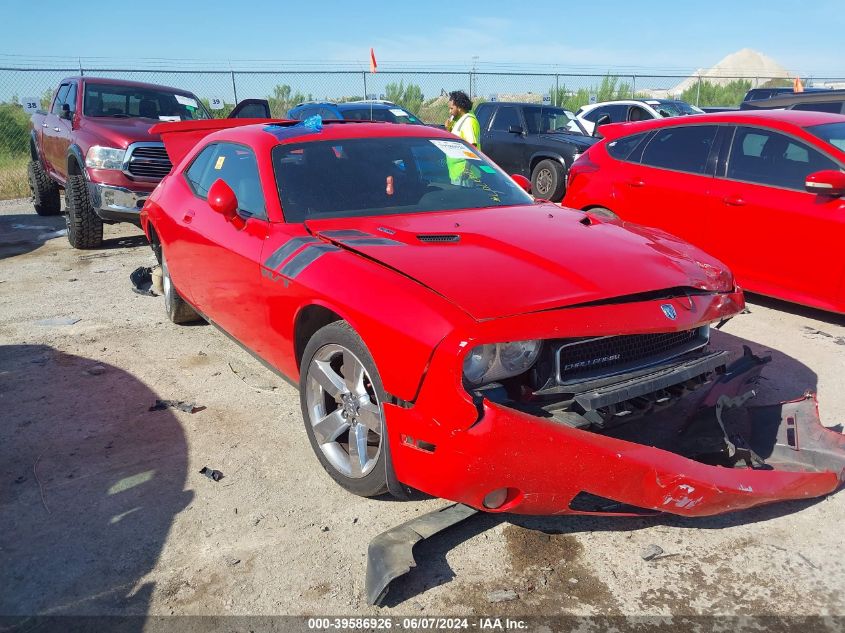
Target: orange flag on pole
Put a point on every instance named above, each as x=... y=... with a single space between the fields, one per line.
x=797 y=86
x=373 y=64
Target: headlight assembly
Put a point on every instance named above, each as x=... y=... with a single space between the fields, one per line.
x=486 y=363
x=100 y=157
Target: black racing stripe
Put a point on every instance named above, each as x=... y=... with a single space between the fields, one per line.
x=305 y=258
x=371 y=241
x=285 y=251
x=345 y=233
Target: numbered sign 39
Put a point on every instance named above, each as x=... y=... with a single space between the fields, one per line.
x=31 y=104
x=216 y=103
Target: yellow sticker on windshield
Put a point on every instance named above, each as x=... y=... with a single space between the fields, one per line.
x=219 y=163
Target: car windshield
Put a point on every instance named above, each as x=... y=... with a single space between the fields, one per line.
x=676 y=108
x=542 y=119
x=393 y=114
x=383 y=176
x=108 y=100
x=833 y=133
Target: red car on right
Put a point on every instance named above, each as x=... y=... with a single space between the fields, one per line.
x=762 y=191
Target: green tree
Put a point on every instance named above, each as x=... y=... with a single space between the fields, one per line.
x=409 y=97
x=14 y=130
x=705 y=93
x=610 y=89
x=283 y=99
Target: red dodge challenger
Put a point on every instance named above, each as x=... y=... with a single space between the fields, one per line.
x=450 y=335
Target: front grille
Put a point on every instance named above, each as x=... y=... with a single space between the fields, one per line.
x=592 y=358
x=148 y=161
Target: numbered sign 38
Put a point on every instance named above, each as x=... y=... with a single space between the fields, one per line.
x=216 y=103
x=31 y=104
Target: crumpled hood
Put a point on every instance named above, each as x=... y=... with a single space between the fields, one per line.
x=514 y=260
x=120 y=132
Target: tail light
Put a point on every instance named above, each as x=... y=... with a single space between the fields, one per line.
x=582 y=165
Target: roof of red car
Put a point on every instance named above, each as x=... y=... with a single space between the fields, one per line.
x=776 y=118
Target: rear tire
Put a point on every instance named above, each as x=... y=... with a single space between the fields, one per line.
x=548 y=181
x=178 y=310
x=84 y=226
x=341 y=393
x=45 y=192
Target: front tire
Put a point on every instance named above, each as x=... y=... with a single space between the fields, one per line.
x=341 y=393
x=45 y=192
x=84 y=226
x=548 y=181
x=178 y=310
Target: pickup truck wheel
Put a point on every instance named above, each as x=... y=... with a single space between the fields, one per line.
x=84 y=226
x=547 y=180
x=178 y=310
x=45 y=192
x=341 y=393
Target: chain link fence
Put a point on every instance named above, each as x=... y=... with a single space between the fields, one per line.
x=423 y=93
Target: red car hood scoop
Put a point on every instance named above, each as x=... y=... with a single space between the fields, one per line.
x=514 y=260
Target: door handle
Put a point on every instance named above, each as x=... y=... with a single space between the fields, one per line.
x=189 y=215
x=44 y=125
x=637 y=183
x=734 y=201
x=55 y=129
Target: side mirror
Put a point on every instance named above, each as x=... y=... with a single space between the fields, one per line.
x=516 y=129
x=66 y=113
x=828 y=182
x=522 y=181
x=604 y=119
x=223 y=200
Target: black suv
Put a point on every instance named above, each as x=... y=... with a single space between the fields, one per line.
x=832 y=101
x=539 y=142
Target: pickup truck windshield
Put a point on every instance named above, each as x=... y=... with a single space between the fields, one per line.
x=541 y=119
x=110 y=100
x=383 y=176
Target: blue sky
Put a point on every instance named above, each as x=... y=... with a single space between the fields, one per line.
x=804 y=37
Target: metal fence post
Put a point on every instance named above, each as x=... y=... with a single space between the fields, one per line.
x=234 y=87
x=557 y=90
x=364 y=75
x=698 y=91
x=633 y=86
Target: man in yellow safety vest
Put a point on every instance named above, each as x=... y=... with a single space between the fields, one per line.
x=462 y=123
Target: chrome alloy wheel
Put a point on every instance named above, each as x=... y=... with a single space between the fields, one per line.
x=544 y=182
x=344 y=411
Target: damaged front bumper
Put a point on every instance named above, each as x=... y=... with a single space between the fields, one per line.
x=724 y=457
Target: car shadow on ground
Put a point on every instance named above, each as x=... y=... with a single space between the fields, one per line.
x=24 y=233
x=90 y=482
x=129 y=241
x=783 y=379
x=794 y=308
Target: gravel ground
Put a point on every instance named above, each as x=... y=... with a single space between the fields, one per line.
x=103 y=510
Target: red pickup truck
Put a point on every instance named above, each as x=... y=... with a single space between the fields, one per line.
x=95 y=143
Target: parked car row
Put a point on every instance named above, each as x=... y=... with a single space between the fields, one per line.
x=451 y=334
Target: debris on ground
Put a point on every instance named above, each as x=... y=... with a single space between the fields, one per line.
x=187 y=407
x=142 y=281
x=57 y=321
x=502 y=595
x=216 y=475
x=324 y=528
x=232 y=560
x=651 y=552
x=810 y=331
x=96 y=370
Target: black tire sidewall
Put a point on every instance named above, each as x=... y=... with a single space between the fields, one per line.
x=341 y=333
x=558 y=181
x=84 y=226
x=178 y=310
x=45 y=192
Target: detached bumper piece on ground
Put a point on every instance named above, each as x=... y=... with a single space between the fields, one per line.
x=725 y=457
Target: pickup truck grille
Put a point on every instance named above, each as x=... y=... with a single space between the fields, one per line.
x=148 y=161
x=593 y=358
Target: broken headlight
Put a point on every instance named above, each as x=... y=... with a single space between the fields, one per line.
x=486 y=363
